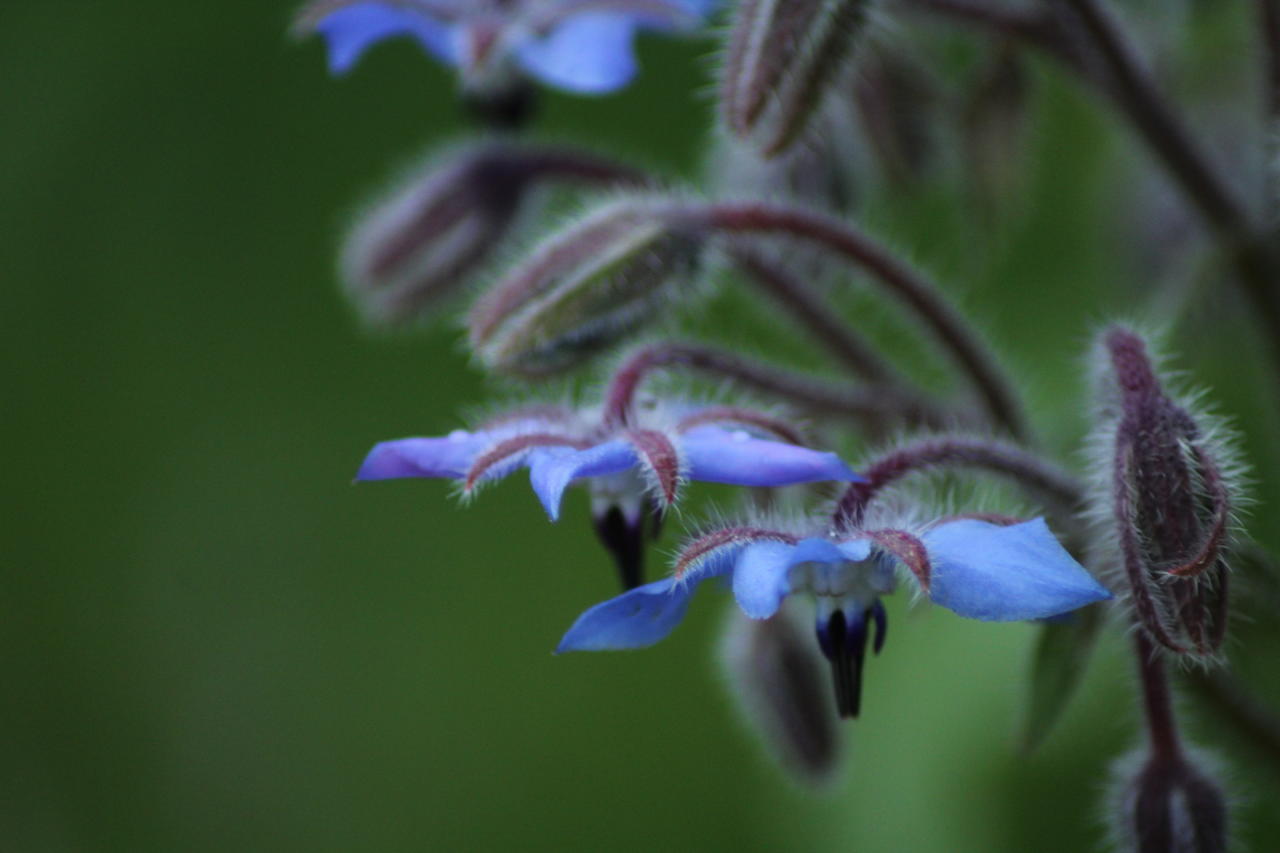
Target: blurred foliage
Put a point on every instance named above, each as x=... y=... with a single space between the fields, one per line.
x=211 y=641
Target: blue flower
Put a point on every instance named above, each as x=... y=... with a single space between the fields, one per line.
x=582 y=46
x=976 y=568
x=654 y=455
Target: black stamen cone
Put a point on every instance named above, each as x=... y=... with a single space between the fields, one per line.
x=845 y=646
x=625 y=542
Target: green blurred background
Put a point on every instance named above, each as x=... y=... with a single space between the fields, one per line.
x=212 y=641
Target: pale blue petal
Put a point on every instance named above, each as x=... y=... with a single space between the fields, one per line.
x=589 y=53
x=994 y=573
x=423 y=457
x=760 y=573
x=633 y=620
x=855 y=550
x=717 y=455
x=352 y=29
x=551 y=471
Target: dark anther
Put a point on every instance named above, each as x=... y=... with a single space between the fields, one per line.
x=625 y=542
x=882 y=626
x=845 y=646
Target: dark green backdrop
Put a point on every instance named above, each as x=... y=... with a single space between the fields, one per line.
x=211 y=641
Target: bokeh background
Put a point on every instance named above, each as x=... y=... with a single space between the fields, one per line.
x=211 y=641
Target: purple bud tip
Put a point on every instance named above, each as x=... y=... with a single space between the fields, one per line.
x=1132 y=366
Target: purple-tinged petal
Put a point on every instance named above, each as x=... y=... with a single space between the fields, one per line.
x=351 y=30
x=760 y=574
x=717 y=455
x=450 y=456
x=551 y=471
x=590 y=54
x=997 y=573
x=633 y=620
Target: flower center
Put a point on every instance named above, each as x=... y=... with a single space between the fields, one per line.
x=847 y=598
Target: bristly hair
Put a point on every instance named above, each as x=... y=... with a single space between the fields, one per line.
x=1216 y=436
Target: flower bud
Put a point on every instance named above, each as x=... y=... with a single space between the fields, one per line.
x=417 y=247
x=994 y=123
x=584 y=288
x=782 y=57
x=1169 y=806
x=1169 y=479
x=784 y=692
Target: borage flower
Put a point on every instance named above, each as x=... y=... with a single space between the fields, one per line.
x=633 y=465
x=582 y=46
x=980 y=569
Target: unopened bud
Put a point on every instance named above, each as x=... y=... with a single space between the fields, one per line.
x=1169 y=479
x=1169 y=806
x=995 y=122
x=422 y=244
x=784 y=692
x=896 y=98
x=782 y=57
x=417 y=247
x=584 y=288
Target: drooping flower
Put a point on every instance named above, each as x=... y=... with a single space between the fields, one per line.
x=632 y=464
x=581 y=46
x=977 y=568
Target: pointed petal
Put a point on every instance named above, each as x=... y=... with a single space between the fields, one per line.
x=994 y=573
x=590 y=54
x=552 y=469
x=717 y=455
x=633 y=620
x=760 y=574
x=351 y=30
x=423 y=457
x=659 y=460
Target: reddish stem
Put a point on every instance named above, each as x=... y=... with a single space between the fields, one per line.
x=1024 y=467
x=971 y=354
x=873 y=405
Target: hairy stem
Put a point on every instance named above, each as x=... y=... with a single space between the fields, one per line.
x=955 y=333
x=811 y=310
x=871 y=405
x=1157 y=701
x=1027 y=469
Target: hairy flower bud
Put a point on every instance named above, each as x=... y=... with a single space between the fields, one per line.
x=782 y=57
x=784 y=692
x=1170 y=495
x=585 y=288
x=420 y=245
x=994 y=123
x=1169 y=806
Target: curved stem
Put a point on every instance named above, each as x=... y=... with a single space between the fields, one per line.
x=1027 y=469
x=808 y=307
x=971 y=353
x=1116 y=71
x=873 y=405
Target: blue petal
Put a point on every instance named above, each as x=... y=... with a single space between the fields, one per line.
x=717 y=455
x=352 y=29
x=985 y=571
x=551 y=471
x=760 y=573
x=589 y=53
x=633 y=620
x=423 y=457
